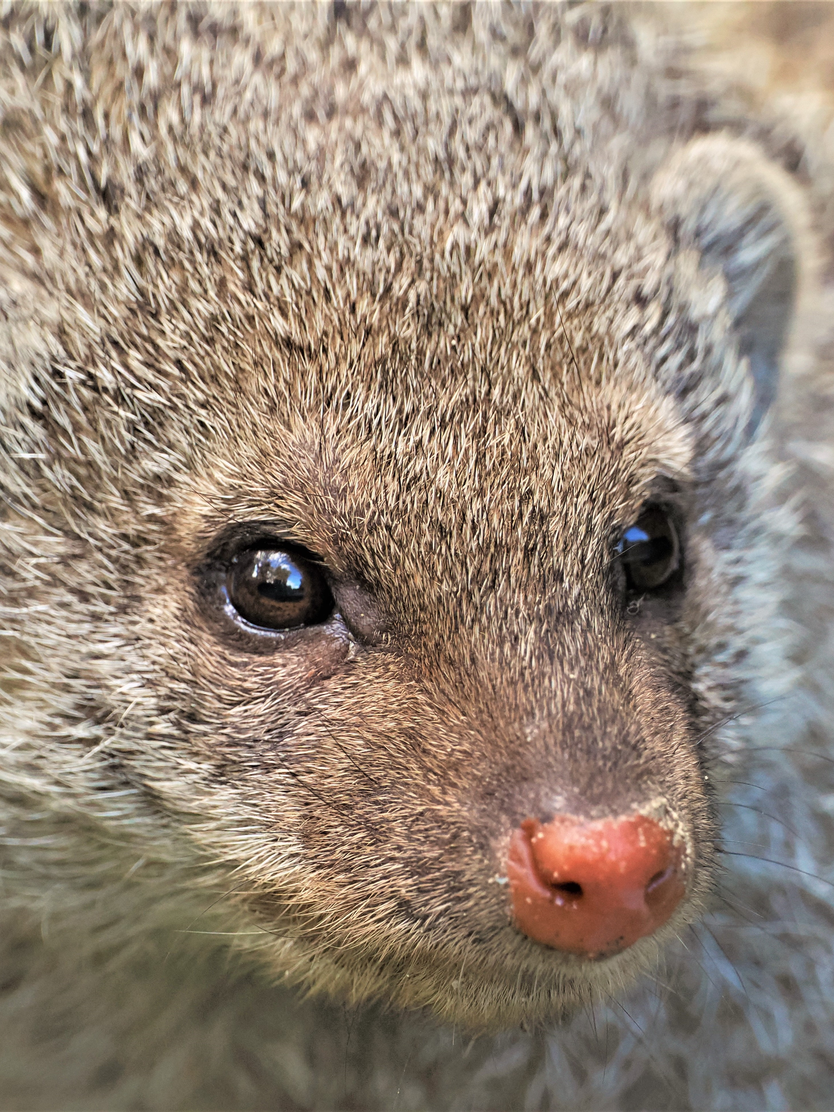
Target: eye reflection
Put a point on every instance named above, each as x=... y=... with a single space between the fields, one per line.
x=276 y=577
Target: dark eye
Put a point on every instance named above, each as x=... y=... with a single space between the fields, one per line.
x=649 y=550
x=275 y=588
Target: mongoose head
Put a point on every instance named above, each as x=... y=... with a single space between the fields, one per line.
x=382 y=483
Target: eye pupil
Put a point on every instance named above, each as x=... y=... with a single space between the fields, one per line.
x=280 y=592
x=277 y=589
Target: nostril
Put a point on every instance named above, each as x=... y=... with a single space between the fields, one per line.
x=593 y=888
x=658 y=879
x=569 y=888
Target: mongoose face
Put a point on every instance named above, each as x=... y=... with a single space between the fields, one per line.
x=381 y=483
x=450 y=684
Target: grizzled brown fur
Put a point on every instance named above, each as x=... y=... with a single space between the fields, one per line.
x=443 y=296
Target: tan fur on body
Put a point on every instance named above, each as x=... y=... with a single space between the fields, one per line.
x=443 y=296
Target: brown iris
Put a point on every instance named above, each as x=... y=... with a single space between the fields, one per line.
x=275 y=589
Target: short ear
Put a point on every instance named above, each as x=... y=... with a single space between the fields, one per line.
x=744 y=214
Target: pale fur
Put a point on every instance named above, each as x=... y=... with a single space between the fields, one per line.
x=136 y=270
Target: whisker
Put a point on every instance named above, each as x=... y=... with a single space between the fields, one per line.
x=790 y=936
x=402 y=1078
x=567 y=337
x=740 y=842
x=738 y=783
x=205 y=911
x=710 y=955
x=308 y=787
x=725 y=956
x=640 y=1035
x=736 y=715
x=782 y=864
x=607 y=1050
x=351 y=816
x=593 y=1018
x=759 y=811
x=349 y=1017
x=349 y=756
x=694 y=933
x=741 y=909
x=223 y=934
x=790 y=749
x=772 y=929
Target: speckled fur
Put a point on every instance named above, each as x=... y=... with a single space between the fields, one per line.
x=443 y=295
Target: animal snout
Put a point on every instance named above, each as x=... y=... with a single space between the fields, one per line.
x=593 y=888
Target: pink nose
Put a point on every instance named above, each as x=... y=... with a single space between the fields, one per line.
x=593 y=888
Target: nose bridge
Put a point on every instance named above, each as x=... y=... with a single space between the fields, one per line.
x=565 y=669
x=572 y=708
x=529 y=636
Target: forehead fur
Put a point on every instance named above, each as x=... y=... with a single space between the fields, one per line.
x=337 y=184
x=362 y=475
x=344 y=289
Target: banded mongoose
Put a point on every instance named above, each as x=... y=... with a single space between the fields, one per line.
x=415 y=564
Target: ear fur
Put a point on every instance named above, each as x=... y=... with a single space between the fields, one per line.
x=745 y=216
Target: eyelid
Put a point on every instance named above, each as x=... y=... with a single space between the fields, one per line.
x=240 y=536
